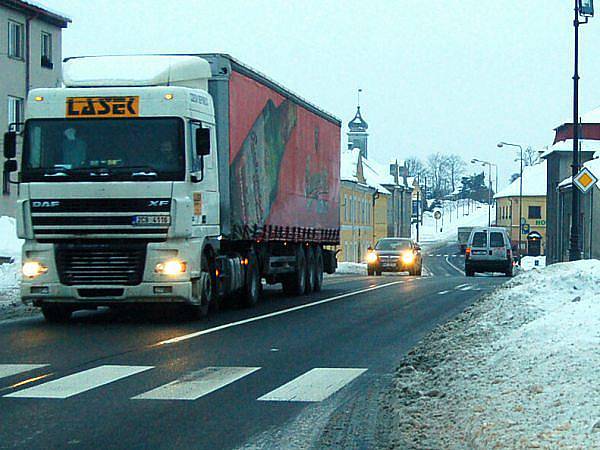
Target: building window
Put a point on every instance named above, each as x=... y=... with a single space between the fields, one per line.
x=15 y=39
x=535 y=212
x=15 y=113
x=46 y=50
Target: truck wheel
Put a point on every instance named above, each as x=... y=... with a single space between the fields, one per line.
x=310 y=270
x=378 y=273
x=56 y=313
x=295 y=283
x=370 y=271
x=252 y=285
x=318 y=269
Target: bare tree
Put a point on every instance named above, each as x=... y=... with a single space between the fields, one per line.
x=415 y=166
x=456 y=168
x=438 y=171
x=530 y=157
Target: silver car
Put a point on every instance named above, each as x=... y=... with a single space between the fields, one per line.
x=489 y=250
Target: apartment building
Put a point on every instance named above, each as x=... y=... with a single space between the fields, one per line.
x=30 y=57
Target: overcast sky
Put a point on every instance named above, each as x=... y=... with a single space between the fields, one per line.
x=439 y=75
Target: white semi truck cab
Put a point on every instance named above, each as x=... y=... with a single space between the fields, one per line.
x=120 y=200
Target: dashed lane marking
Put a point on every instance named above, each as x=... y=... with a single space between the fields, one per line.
x=80 y=382
x=273 y=314
x=443 y=292
x=460 y=286
x=197 y=384
x=466 y=288
x=8 y=370
x=313 y=386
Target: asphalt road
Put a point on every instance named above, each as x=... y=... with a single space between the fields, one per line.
x=267 y=377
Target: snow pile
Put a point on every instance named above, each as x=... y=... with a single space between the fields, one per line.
x=516 y=370
x=456 y=214
x=533 y=262
x=345 y=268
x=10 y=247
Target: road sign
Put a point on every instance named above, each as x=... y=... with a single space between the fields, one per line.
x=525 y=228
x=585 y=180
x=437 y=215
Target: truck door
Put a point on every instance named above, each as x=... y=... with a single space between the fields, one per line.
x=205 y=180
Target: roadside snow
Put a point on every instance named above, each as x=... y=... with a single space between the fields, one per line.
x=533 y=262
x=468 y=215
x=516 y=370
x=10 y=247
x=345 y=268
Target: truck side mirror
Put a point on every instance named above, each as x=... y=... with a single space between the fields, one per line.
x=10 y=165
x=10 y=144
x=202 y=141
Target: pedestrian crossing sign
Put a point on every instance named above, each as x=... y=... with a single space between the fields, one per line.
x=585 y=180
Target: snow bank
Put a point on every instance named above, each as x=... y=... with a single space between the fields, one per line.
x=10 y=247
x=517 y=370
x=351 y=268
x=533 y=262
x=469 y=215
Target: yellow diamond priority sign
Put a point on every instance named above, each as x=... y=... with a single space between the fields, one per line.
x=585 y=180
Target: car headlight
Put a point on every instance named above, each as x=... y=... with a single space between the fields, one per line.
x=371 y=257
x=171 y=267
x=32 y=269
x=408 y=258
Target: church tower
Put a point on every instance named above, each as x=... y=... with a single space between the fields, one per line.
x=357 y=136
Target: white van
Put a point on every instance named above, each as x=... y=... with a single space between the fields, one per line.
x=489 y=250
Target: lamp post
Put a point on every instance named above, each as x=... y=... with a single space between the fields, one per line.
x=500 y=145
x=585 y=9
x=489 y=164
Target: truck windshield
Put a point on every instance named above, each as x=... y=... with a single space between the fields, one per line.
x=139 y=149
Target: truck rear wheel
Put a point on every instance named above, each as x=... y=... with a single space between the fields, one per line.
x=310 y=270
x=252 y=287
x=318 y=269
x=295 y=283
x=56 y=313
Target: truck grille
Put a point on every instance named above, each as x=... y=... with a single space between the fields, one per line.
x=54 y=220
x=100 y=264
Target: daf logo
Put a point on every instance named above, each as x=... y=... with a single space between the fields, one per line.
x=46 y=204
x=158 y=203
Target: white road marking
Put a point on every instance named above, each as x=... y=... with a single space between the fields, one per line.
x=313 y=386
x=462 y=272
x=460 y=286
x=79 y=382
x=273 y=314
x=443 y=292
x=438 y=255
x=197 y=384
x=7 y=370
x=466 y=288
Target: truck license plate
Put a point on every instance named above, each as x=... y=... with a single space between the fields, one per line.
x=151 y=220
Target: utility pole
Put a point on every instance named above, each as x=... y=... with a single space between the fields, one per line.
x=586 y=11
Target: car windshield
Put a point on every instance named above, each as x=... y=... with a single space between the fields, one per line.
x=103 y=149
x=393 y=244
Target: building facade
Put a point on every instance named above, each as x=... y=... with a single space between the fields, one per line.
x=532 y=224
x=31 y=57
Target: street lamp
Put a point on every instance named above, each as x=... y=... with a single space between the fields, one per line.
x=489 y=164
x=500 y=145
x=585 y=9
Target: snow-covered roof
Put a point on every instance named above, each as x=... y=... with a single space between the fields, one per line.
x=534 y=182
x=371 y=170
x=136 y=70
x=593 y=165
x=587 y=145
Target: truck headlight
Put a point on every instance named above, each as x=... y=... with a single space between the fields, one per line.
x=32 y=269
x=408 y=258
x=371 y=257
x=171 y=267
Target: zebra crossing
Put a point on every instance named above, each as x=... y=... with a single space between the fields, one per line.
x=315 y=385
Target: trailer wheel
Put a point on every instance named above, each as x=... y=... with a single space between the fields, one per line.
x=56 y=313
x=252 y=286
x=318 y=269
x=295 y=283
x=310 y=270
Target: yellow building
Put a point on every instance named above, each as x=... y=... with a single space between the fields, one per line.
x=363 y=208
x=533 y=210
